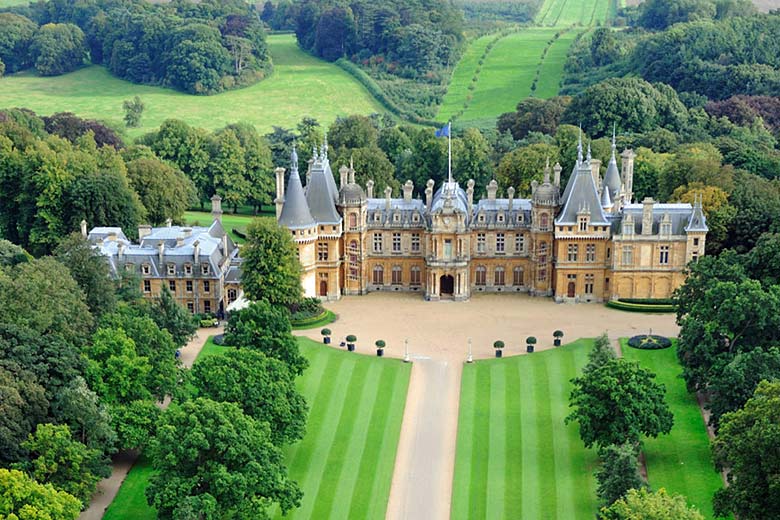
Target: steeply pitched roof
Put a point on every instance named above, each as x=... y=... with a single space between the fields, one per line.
x=582 y=196
x=295 y=212
x=697 y=222
x=319 y=197
x=612 y=177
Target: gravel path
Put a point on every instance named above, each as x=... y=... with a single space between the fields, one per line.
x=123 y=462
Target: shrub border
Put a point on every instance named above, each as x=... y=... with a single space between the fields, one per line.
x=640 y=307
x=315 y=321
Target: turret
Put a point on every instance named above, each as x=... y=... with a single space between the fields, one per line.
x=557 y=170
x=343 y=175
x=388 y=193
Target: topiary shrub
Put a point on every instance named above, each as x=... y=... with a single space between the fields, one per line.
x=649 y=342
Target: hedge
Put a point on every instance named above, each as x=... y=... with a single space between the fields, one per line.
x=639 y=307
x=646 y=342
x=649 y=301
x=239 y=234
x=315 y=321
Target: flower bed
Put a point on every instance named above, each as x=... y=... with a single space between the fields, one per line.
x=649 y=342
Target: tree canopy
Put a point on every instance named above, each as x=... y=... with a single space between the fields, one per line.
x=23 y=497
x=271 y=270
x=642 y=504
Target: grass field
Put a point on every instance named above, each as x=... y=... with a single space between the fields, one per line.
x=551 y=70
x=458 y=90
x=301 y=85
x=515 y=457
x=229 y=221
x=344 y=464
x=681 y=462
x=566 y=12
x=9 y=3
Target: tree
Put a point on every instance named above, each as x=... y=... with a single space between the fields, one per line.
x=133 y=108
x=228 y=168
x=660 y=14
x=265 y=327
x=472 y=158
x=534 y=115
x=352 y=132
x=90 y=271
x=170 y=316
x=762 y=261
x=213 y=454
x=57 y=459
x=16 y=34
x=757 y=202
x=71 y=127
x=271 y=270
x=263 y=387
x=164 y=191
x=695 y=163
x=23 y=498
x=134 y=423
x=748 y=444
x=370 y=163
x=618 y=401
x=618 y=472
x=11 y=254
x=89 y=421
x=257 y=165
x=602 y=353
x=335 y=33
x=526 y=164
x=23 y=405
x=641 y=504
x=726 y=267
x=604 y=47
x=114 y=370
x=58 y=48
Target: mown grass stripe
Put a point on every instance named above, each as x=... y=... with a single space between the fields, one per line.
x=309 y=465
x=368 y=471
x=387 y=450
x=479 y=442
x=559 y=373
x=584 y=461
x=348 y=475
x=326 y=492
x=461 y=486
x=513 y=492
x=531 y=484
x=545 y=450
x=497 y=448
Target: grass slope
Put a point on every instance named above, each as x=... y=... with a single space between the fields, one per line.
x=552 y=67
x=681 y=462
x=344 y=464
x=300 y=86
x=229 y=221
x=458 y=90
x=515 y=457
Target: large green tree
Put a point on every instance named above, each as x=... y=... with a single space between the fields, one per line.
x=619 y=472
x=748 y=444
x=262 y=386
x=169 y=315
x=210 y=456
x=23 y=498
x=22 y=406
x=618 y=402
x=58 y=48
x=271 y=270
x=228 y=169
x=526 y=164
x=16 y=34
x=265 y=327
x=641 y=504
x=164 y=191
x=57 y=459
x=90 y=270
x=89 y=421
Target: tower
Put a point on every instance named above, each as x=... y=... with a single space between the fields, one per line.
x=353 y=206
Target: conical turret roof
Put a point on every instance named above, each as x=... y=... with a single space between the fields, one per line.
x=612 y=177
x=582 y=196
x=697 y=222
x=295 y=212
x=322 y=203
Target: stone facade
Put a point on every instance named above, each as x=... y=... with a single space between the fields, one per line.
x=589 y=244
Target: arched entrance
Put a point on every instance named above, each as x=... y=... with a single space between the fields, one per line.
x=570 y=291
x=323 y=287
x=446 y=285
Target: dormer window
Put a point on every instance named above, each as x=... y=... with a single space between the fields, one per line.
x=583 y=223
x=204 y=269
x=171 y=269
x=188 y=269
x=130 y=267
x=666 y=228
x=146 y=269
x=377 y=217
x=500 y=217
x=415 y=217
x=520 y=216
x=396 y=217
x=481 y=218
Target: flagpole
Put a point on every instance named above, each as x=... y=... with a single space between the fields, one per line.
x=449 y=150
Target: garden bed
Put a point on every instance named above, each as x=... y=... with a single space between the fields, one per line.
x=649 y=342
x=635 y=306
x=314 y=321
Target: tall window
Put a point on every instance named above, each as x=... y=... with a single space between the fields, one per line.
x=583 y=222
x=396 y=242
x=541 y=274
x=352 y=221
x=207 y=306
x=543 y=253
x=191 y=307
x=519 y=243
x=517 y=276
x=498 y=276
x=188 y=269
x=377 y=242
x=588 y=284
x=500 y=242
x=590 y=253
x=188 y=285
x=481 y=275
x=206 y=286
x=232 y=295
x=447 y=248
x=379 y=275
x=415 y=278
x=664 y=256
x=572 y=251
x=628 y=255
x=544 y=221
x=146 y=269
x=147 y=286
x=397 y=275
x=480 y=242
x=172 y=285
x=322 y=251
x=416 y=242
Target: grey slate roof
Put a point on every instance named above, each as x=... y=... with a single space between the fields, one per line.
x=606 y=200
x=321 y=201
x=453 y=192
x=679 y=214
x=612 y=177
x=379 y=216
x=582 y=195
x=697 y=222
x=295 y=211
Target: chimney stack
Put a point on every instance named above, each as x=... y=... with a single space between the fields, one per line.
x=627 y=173
x=196 y=253
x=343 y=175
x=557 y=174
x=511 y=194
x=180 y=241
x=647 y=216
x=144 y=230
x=470 y=195
x=216 y=207
x=121 y=251
x=429 y=195
x=187 y=232
x=595 y=170
x=84 y=228
x=492 y=188
x=168 y=222
x=408 y=189
x=370 y=189
x=279 y=200
x=160 y=251
x=388 y=193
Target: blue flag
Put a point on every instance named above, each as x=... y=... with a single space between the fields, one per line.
x=443 y=131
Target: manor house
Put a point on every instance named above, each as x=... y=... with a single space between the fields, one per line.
x=589 y=243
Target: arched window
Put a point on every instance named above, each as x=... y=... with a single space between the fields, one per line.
x=544 y=221
x=498 y=276
x=397 y=275
x=415 y=279
x=352 y=220
x=517 y=277
x=481 y=275
x=379 y=275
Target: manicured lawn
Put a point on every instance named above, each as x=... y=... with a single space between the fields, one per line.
x=681 y=462
x=552 y=67
x=229 y=221
x=301 y=85
x=344 y=464
x=458 y=90
x=130 y=502
x=515 y=457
